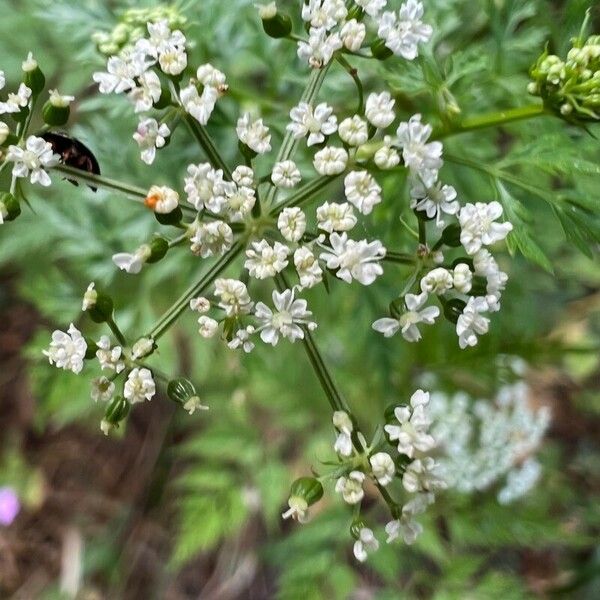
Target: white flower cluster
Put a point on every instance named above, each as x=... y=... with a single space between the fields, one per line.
x=483 y=442
x=331 y=29
x=472 y=286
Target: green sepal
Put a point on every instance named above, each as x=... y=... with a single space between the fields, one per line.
x=102 y=310
x=158 y=248
x=279 y=26
x=181 y=390
x=308 y=488
x=11 y=204
x=55 y=115
x=451 y=235
x=117 y=410
x=172 y=218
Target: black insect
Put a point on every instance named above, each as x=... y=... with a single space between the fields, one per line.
x=73 y=153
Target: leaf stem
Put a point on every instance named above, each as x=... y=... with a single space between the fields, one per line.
x=353 y=72
x=203 y=138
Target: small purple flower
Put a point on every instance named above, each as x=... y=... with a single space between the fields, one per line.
x=9 y=506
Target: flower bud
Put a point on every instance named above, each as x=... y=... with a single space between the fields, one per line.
x=451 y=235
x=308 y=489
x=10 y=208
x=180 y=390
x=172 y=218
x=453 y=309
x=380 y=50
x=117 y=410
x=246 y=151
x=158 y=248
x=34 y=79
x=4 y=132
x=463 y=259
x=56 y=111
x=143 y=347
x=357 y=525
x=102 y=309
x=275 y=24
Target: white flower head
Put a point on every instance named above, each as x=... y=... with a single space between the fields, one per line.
x=206 y=188
x=434 y=200
x=406 y=527
x=316 y=123
x=149 y=136
x=59 y=100
x=324 y=13
x=421 y=476
x=353 y=35
x=212 y=238
x=330 y=161
x=173 y=61
x=462 y=278
x=132 y=263
x=200 y=304
x=265 y=260
x=241 y=339
x=365 y=543
x=387 y=156
x=403 y=32
x=89 y=297
x=255 y=134
x=162 y=199
x=371 y=7
x=207 y=75
x=243 y=176
x=354 y=131
x=233 y=297
x=239 y=201
x=332 y=216
x=207 y=327
x=121 y=72
x=411 y=433
x=292 y=223
x=343 y=441
x=319 y=49
x=307 y=267
x=15 y=102
x=286 y=174
x=288 y=318
x=383 y=468
x=139 y=385
x=351 y=487
x=33 y=160
x=379 y=109
x=109 y=357
x=102 y=389
x=142 y=348
x=199 y=106
x=479 y=227
x=471 y=323
x=146 y=93
x=407 y=323
x=298 y=509
x=362 y=191
x=67 y=350
x=438 y=281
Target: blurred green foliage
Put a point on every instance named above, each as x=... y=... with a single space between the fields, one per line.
x=268 y=418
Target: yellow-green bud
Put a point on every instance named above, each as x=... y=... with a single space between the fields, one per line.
x=10 y=208
x=275 y=24
x=33 y=76
x=56 y=111
x=307 y=488
x=158 y=248
x=117 y=410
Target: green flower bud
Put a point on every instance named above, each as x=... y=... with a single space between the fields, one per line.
x=453 y=309
x=180 y=390
x=56 y=111
x=380 y=50
x=355 y=528
x=274 y=23
x=158 y=248
x=172 y=218
x=246 y=151
x=10 y=208
x=34 y=79
x=117 y=410
x=451 y=235
x=307 y=488
x=102 y=309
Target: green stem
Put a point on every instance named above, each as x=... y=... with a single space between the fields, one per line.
x=400 y=258
x=205 y=141
x=303 y=194
x=422 y=232
x=173 y=313
x=493 y=119
x=353 y=72
x=116 y=331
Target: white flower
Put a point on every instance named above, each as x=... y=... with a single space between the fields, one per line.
x=32 y=160
x=205 y=187
x=109 y=357
x=233 y=297
x=437 y=281
x=410 y=319
x=315 y=122
x=15 y=102
x=433 y=200
x=67 y=350
x=353 y=35
x=192 y=404
x=420 y=476
x=383 y=468
x=199 y=106
x=335 y=217
x=149 y=136
x=89 y=297
x=143 y=347
x=365 y=543
x=162 y=199
x=471 y=323
x=243 y=176
x=298 y=509
x=161 y=39
x=242 y=340
x=422 y=158
x=173 y=61
x=132 y=263
x=343 y=441
x=146 y=93
x=403 y=32
x=386 y=157
x=265 y=260
x=207 y=326
x=266 y=11
x=371 y=7
x=255 y=134
x=102 y=389
x=354 y=260
x=59 y=100
x=287 y=320
x=307 y=267
x=319 y=49
x=212 y=238
x=139 y=386
x=351 y=487
x=405 y=526
x=121 y=72
x=207 y=75
x=2 y=80
x=239 y=201
x=362 y=190
x=354 y=131
x=4 y=132
x=324 y=13
x=412 y=434
x=292 y=223
x=200 y=304
x=330 y=161
x=478 y=226
x=462 y=278
x=29 y=64
x=486 y=266
x=286 y=174
x=379 y=109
